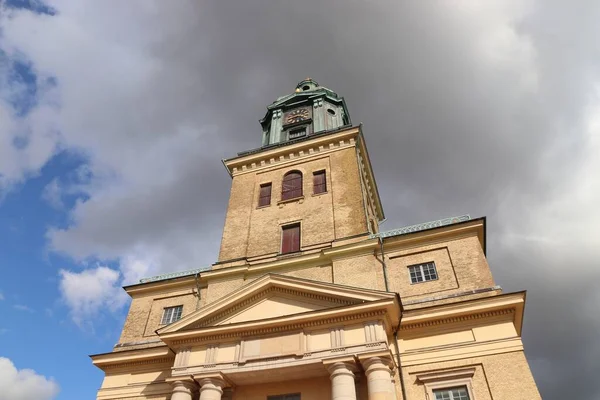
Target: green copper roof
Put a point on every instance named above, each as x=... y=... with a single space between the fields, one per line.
x=394 y=232
x=174 y=275
x=422 y=227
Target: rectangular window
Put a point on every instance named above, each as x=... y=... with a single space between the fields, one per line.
x=294 y=396
x=422 y=272
x=457 y=393
x=297 y=133
x=264 y=198
x=290 y=238
x=319 y=182
x=171 y=314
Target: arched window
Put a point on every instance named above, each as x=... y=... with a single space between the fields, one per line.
x=292 y=185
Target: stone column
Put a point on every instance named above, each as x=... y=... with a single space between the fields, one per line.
x=183 y=390
x=379 y=379
x=211 y=388
x=342 y=382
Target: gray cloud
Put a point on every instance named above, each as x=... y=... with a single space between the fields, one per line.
x=484 y=108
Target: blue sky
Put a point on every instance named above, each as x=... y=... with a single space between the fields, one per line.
x=37 y=331
x=115 y=116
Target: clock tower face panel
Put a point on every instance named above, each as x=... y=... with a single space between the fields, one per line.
x=297 y=115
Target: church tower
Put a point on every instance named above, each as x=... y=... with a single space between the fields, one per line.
x=308 y=187
x=308 y=299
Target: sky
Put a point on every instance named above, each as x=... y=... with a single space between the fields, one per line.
x=115 y=115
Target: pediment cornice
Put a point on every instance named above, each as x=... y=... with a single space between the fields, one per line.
x=327 y=301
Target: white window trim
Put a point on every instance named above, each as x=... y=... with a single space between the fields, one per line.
x=165 y=310
x=423 y=272
x=447 y=380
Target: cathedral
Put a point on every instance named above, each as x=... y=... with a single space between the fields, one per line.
x=310 y=300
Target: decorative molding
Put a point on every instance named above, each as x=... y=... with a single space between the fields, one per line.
x=278 y=329
x=160 y=360
x=444 y=375
x=421 y=227
x=462 y=318
x=261 y=295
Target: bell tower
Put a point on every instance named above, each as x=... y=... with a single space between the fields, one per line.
x=310 y=109
x=309 y=186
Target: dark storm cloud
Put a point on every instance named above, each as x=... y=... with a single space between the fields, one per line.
x=476 y=108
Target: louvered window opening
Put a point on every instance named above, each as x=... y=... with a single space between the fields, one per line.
x=264 y=198
x=297 y=133
x=290 y=239
x=171 y=314
x=319 y=182
x=292 y=186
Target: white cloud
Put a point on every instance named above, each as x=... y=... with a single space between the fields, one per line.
x=90 y=292
x=1 y=296
x=22 y=307
x=24 y=384
x=52 y=194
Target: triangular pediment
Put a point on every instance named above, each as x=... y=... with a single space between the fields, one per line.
x=273 y=296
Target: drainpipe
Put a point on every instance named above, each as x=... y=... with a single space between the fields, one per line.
x=385 y=279
x=398 y=359
x=198 y=295
x=402 y=386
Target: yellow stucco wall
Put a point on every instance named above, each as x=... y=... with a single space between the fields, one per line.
x=145 y=312
x=497 y=377
x=254 y=231
x=460 y=264
x=308 y=388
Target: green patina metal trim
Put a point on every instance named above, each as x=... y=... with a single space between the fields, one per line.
x=395 y=232
x=422 y=227
x=174 y=275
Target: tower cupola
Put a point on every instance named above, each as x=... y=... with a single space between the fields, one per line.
x=311 y=109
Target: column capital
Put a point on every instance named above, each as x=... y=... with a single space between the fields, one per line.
x=341 y=368
x=377 y=363
x=184 y=385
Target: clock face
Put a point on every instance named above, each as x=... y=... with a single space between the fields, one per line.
x=297 y=115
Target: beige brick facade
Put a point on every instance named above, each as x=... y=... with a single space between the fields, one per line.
x=339 y=319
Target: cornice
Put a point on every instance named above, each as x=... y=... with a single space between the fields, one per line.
x=264 y=294
x=305 y=148
x=304 y=286
x=385 y=306
x=486 y=307
x=128 y=364
x=153 y=355
x=451 y=320
x=278 y=328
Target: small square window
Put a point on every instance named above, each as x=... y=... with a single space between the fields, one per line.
x=297 y=133
x=456 y=393
x=422 y=272
x=171 y=314
x=264 y=198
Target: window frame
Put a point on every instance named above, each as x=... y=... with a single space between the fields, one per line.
x=170 y=320
x=323 y=184
x=422 y=272
x=290 y=226
x=448 y=379
x=260 y=194
x=449 y=390
x=300 y=187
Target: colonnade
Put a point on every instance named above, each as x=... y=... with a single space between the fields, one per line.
x=378 y=371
